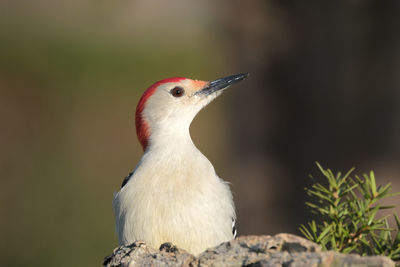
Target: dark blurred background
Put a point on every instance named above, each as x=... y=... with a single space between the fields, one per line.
x=324 y=86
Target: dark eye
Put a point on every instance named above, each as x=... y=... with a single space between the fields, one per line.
x=177 y=91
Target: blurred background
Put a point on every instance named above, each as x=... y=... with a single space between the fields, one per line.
x=324 y=86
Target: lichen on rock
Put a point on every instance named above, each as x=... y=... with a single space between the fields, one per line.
x=278 y=250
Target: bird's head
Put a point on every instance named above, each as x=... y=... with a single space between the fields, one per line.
x=168 y=106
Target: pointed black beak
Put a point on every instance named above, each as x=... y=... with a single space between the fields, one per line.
x=222 y=83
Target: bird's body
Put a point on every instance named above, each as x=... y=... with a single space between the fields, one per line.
x=174 y=194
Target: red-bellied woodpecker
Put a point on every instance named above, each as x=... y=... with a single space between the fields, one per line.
x=174 y=194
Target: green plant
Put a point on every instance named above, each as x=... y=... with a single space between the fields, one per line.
x=347 y=208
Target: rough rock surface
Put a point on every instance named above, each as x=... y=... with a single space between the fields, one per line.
x=278 y=250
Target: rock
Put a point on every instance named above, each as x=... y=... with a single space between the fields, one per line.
x=255 y=251
x=139 y=254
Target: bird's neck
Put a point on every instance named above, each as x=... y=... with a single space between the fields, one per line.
x=171 y=138
x=171 y=152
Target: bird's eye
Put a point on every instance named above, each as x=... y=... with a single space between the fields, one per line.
x=177 y=91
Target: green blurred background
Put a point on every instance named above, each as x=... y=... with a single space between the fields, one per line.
x=324 y=86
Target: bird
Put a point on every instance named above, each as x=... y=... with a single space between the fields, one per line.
x=174 y=194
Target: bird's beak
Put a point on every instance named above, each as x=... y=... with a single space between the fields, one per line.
x=222 y=83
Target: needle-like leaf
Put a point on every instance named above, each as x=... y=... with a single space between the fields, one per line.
x=347 y=206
